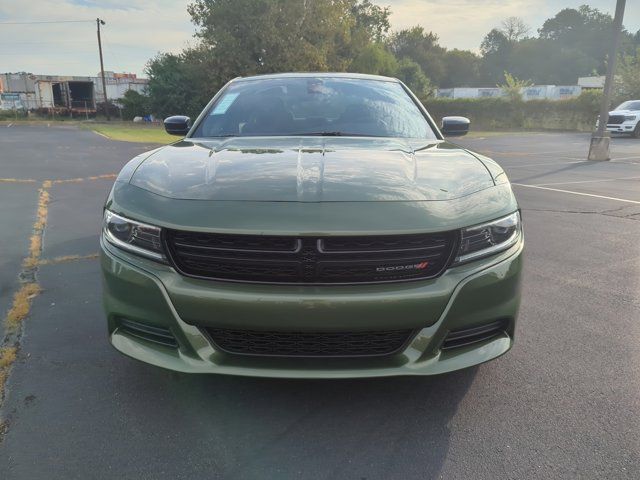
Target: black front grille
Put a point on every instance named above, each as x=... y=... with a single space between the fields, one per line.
x=310 y=260
x=615 y=119
x=309 y=344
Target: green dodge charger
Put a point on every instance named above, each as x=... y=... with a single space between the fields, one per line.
x=312 y=225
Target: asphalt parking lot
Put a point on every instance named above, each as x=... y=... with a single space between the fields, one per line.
x=564 y=403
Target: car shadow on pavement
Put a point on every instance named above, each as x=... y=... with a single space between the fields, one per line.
x=366 y=428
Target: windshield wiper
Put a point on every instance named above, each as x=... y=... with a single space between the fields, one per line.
x=332 y=134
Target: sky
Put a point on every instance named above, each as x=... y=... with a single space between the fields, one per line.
x=136 y=30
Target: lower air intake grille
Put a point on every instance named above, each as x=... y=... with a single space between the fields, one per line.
x=468 y=336
x=160 y=335
x=309 y=344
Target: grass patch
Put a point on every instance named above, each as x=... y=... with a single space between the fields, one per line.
x=7 y=357
x=67 y=258
x=35 y=242
x=21 y=304
x=131 y=132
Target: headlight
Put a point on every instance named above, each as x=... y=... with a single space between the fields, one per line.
x=489 y=238
x=135 y=237
x=629 y=118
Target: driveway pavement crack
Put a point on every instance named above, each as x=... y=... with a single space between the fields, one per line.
x=23 y=298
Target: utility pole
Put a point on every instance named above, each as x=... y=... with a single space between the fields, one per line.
x=104 y=83
x=599 y=148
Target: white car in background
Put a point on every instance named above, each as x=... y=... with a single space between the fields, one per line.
x=625 y=118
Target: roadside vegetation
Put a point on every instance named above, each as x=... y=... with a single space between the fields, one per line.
x=355 y=35
x=131 y=132
x=512 y=113
x=125 y=131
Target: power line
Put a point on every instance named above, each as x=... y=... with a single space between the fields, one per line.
x=49 y=21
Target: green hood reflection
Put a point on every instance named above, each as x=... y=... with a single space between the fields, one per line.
x=309 y=169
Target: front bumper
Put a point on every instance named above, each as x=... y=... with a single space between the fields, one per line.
x=626 y=127
x=474 y=294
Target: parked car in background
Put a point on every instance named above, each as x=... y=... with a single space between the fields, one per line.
x=625 y=118
x=312 y=225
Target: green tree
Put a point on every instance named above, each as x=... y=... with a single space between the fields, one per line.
x=375 y=59
x=514 y=29
x=512 y=87
x=572 y=43
x=134 y=104
x=496 y=50
x=545 y=62
x=263 y=36
x=495 y=43
x=246 y=37
x=628 y=76
x=370 y=20
x=462 y=69
x=183 y=83
x=585 y=29
x=421 y=47
x=412 y=75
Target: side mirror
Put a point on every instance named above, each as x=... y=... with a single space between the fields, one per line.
x=177 y=125
x=455 y=126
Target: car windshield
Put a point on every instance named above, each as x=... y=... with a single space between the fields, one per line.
x=323 y=106
x=630 y=105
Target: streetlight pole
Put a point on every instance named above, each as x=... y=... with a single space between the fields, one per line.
x=599 y=148
x=104 y=83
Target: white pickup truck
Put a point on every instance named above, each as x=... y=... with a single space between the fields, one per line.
x=625 y=118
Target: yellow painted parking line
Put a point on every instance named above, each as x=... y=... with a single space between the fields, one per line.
x=67 y=258
x=17 y=180
x=107 y=176
x=626 y=200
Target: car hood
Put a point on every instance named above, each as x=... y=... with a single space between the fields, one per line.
x=310 y=169
x=624 y=112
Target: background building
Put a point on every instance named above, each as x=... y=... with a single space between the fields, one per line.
x=27 y=91
x=534 y=92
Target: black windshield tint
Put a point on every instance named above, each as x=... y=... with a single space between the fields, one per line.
x=630 y=105
x=315 y=106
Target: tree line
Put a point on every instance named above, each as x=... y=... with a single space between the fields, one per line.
x=248 y=37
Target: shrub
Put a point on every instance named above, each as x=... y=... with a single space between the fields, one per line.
x=12 y=114
x=577 y=113
x=134 y=104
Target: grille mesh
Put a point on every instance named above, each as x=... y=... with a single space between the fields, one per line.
x=309 y=344
x=615 y=119
x=310 y=260
x=469 y=336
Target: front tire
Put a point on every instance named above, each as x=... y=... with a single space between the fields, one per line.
x=636 y=131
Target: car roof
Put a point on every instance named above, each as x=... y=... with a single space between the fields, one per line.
x=360 y=76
